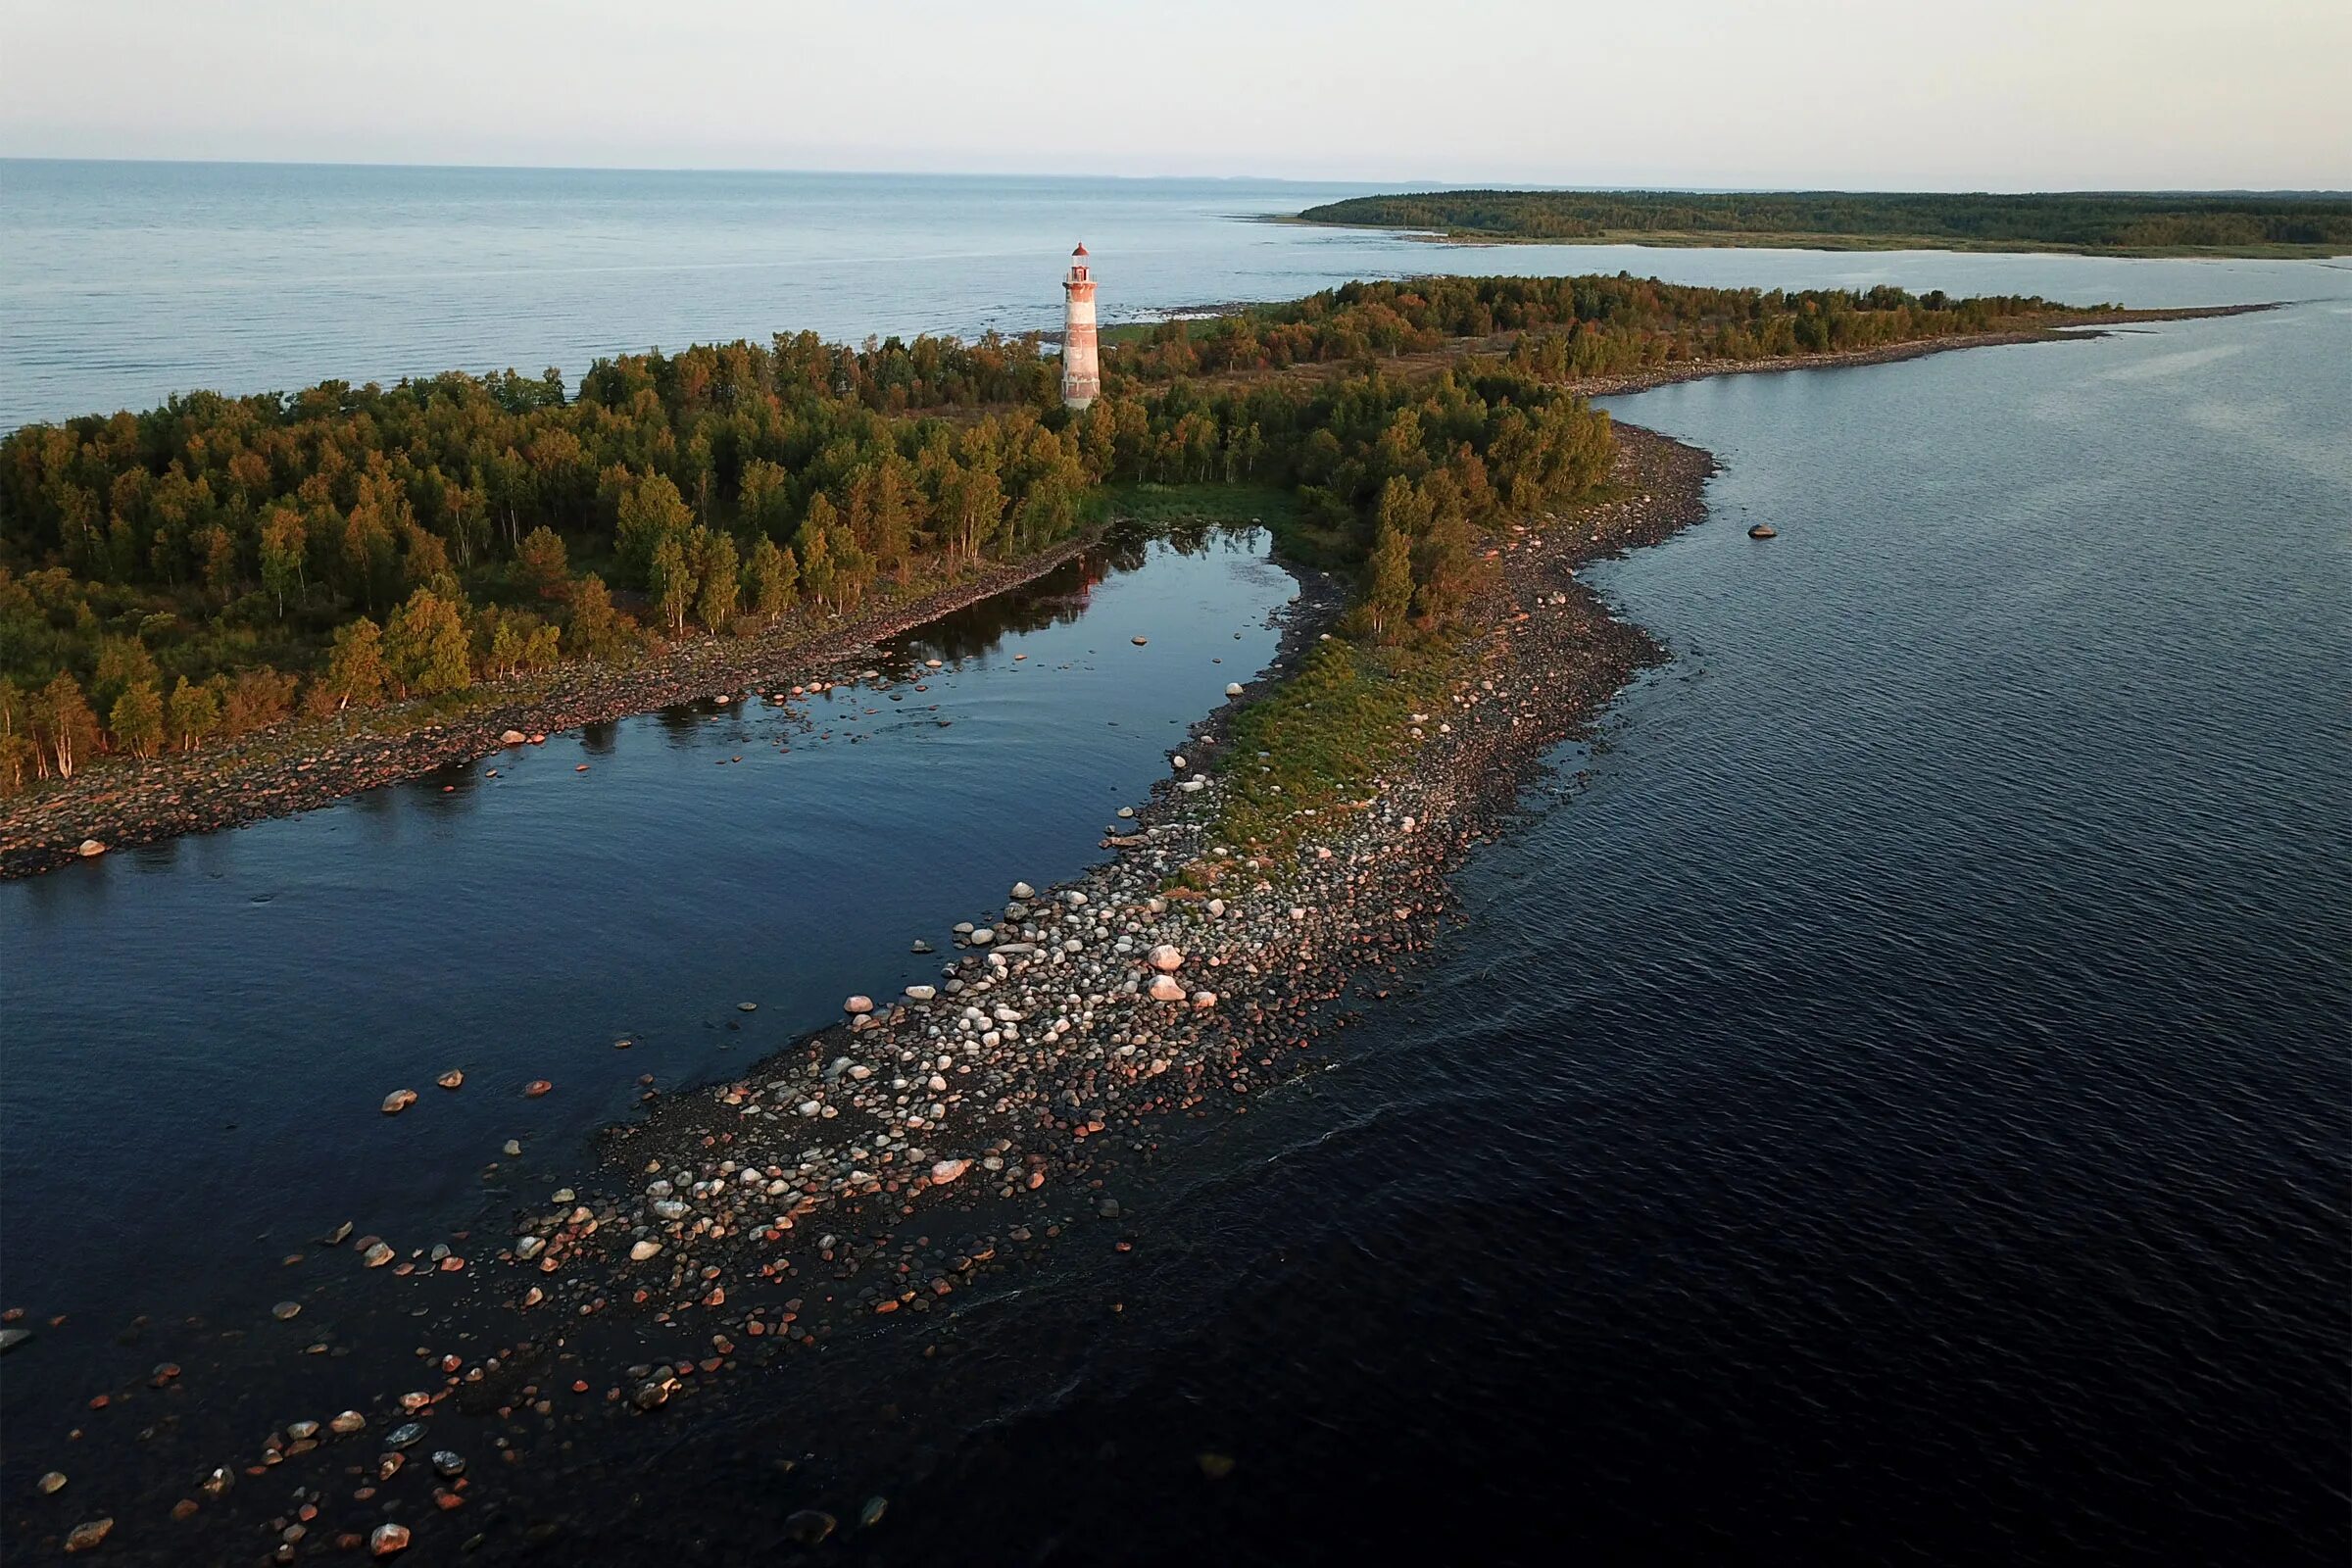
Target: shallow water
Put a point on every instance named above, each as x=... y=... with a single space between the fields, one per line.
x=202 y=1031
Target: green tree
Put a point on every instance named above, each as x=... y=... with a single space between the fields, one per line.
x=426 y=648
x=596 y=629
x=138 y=719
x=15 y=740
x=817 y=553
x=357 y=670
x=671 y=582
x=716 y=583
x=650 y=511
x=1389 y=582
x=65 y=729
x=769 y=578
x=194 y=712
x=285 y=546
x=122 y=663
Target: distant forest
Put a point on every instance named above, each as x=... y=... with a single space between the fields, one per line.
x=217 y=566
x=2120 y=224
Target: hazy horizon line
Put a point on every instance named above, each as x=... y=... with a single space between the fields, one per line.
x=1399 y=186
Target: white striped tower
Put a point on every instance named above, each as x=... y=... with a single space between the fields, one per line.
x=1080 y=367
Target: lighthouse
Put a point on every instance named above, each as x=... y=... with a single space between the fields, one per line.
x=1081 y=371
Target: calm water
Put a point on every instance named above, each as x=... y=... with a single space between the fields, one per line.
x=250 y=998
x=126 y=282
x=1893 y=1108
x=1889 y=1102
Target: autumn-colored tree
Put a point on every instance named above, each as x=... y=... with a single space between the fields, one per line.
x=256 y=699
x=541 y=562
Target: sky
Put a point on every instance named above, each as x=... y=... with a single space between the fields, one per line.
x=1961 y=95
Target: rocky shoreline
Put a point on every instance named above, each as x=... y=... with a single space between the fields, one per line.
x=286 y=771
x=877 y=1168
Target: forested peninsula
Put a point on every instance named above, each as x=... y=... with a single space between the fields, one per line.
x=270 y=592
x=2089 y=222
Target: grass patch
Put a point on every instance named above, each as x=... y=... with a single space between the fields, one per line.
x=1316 y=741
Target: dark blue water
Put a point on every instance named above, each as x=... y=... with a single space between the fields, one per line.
x=1894 y=1107
x=201 y=1033
x=1888 y=1103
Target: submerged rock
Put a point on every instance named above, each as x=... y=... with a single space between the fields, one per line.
x=811 y=1526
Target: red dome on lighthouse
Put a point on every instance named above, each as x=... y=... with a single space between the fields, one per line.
x=1080 y=251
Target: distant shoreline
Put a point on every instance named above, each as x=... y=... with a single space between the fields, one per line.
x=2279 y=225
x=1655 y=239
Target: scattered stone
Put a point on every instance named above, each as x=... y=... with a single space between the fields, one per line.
x=645 y=1250
x=284 y=1310
x=452 y=1079
x=947 y=1171
x=10 y=1339
x=1763 y=531
x=1233 y=688
x=86 y=849
x=871 y=1514
x=860 y=1005
x=535 y=1088
x=810 y=1527
x=1166 y=988
x=86 y=1536
x=1023 y=892
x=388 y=1539
x=1140 y=640
x=1167 y=959
x=52 y=1483
x=344 y=1425
x=448 y=1465
x=513 y=737
x=397 y=1100
x=376 y=1255
x=746 y=1006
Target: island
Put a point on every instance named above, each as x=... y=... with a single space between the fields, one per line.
x=2086 y=223
x=231 y=608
